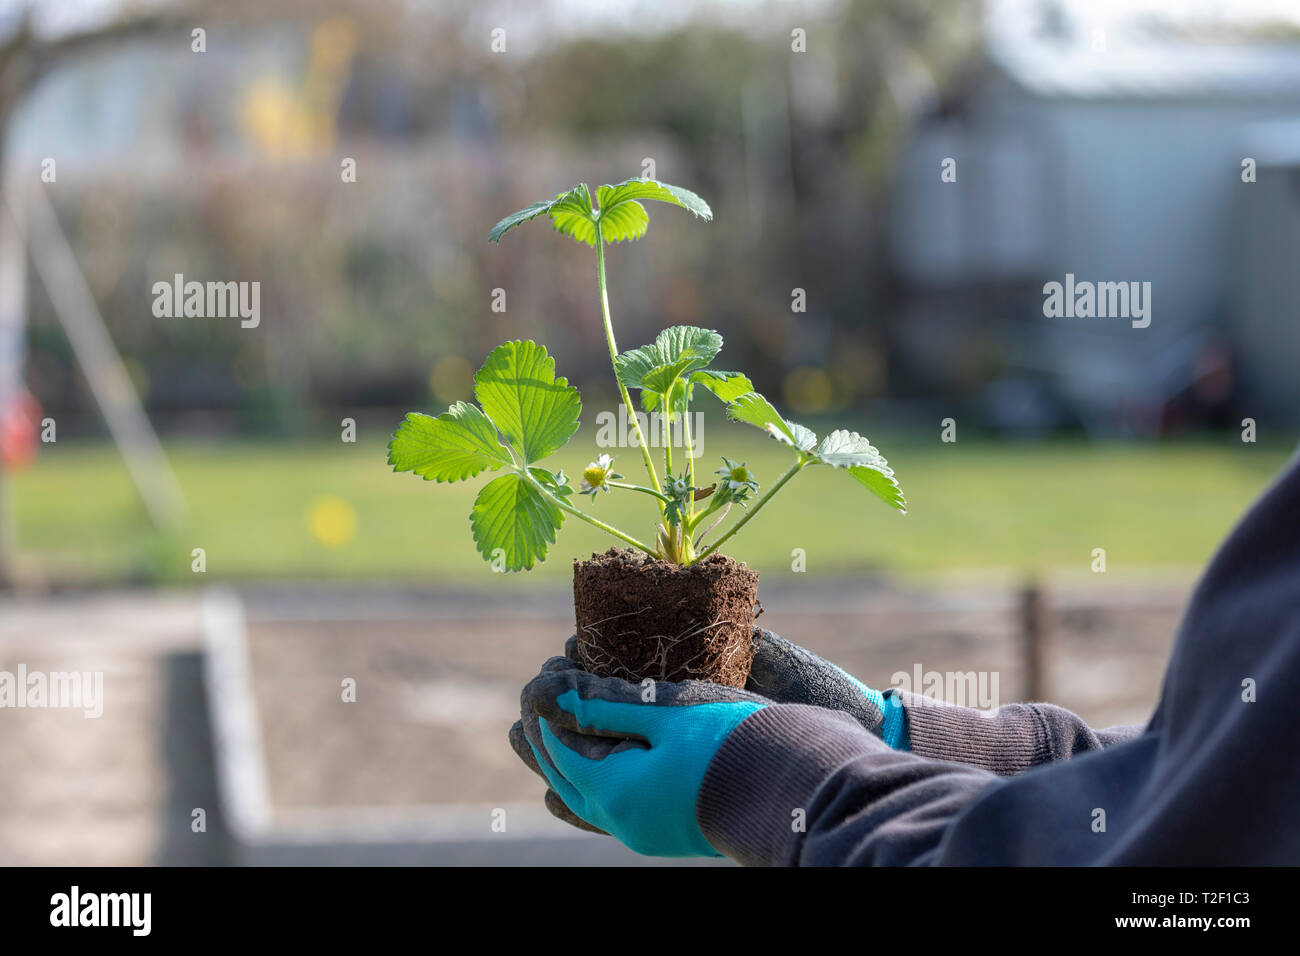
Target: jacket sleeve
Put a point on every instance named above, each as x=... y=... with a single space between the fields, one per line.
x=796 y=785
x=1004 y=741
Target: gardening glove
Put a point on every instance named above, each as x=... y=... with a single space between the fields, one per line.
x=519 y=743
x=628 y=759
x=788 y=674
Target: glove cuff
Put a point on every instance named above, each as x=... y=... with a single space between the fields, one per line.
x=767 y=771
x=893 y=725
x=893 y=730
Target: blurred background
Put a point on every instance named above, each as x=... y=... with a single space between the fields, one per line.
x=350 y=157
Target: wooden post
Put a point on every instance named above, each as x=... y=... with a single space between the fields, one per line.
x=1033 y=629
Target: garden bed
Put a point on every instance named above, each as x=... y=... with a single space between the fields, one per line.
x=412 y=771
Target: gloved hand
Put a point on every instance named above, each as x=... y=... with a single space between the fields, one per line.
x=627 y=759
x=788 y=674
x=783 y=673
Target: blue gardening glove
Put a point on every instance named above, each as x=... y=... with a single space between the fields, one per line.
x=628 y=759
x=782 y=672
x=788 y=674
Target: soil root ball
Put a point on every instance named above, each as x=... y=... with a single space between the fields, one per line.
x=639 y=617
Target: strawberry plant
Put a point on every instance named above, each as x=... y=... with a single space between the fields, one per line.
x=525 y=413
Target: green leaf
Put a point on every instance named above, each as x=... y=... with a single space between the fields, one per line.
x=621 y=216
x=520 y=217
x=885 y=487
x=535 y=411
x=676 y=351
x=624 y=222
x=754 y=409
x=843 y=449
x=458 y=444
x=678 y=400
x=628 y=191
x=853 y=453
x=804 y=438
x=634 y=365
x=688 y=345
x=557 y=484
x=570 y=213
x=728 y=386
x=511 y=514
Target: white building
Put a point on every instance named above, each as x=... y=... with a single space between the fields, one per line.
x=1113 y=154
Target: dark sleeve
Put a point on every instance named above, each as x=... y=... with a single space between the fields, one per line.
x=796 y=785
x=1005 y=741
x=1202 y=785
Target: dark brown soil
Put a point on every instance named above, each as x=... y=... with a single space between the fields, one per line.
x=639 y=617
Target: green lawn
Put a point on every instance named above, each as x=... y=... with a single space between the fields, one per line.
x=974 y=504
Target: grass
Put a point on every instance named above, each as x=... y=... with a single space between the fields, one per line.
x=336 y=511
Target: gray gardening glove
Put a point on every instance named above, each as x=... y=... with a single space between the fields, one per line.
x=788 y=674
x=519 y=744
x=782 y=672
x=628 y=759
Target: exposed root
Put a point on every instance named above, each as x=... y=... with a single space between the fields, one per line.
x=599 y=661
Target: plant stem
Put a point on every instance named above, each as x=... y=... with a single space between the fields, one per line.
x=641 y=488
x=667 y=436
x=613 y=356
x=715 y=502
x=593 y=521
x=797 y=467
x=690 y=456
x=721 y=518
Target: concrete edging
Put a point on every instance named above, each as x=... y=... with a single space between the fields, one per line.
x=428 y=835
